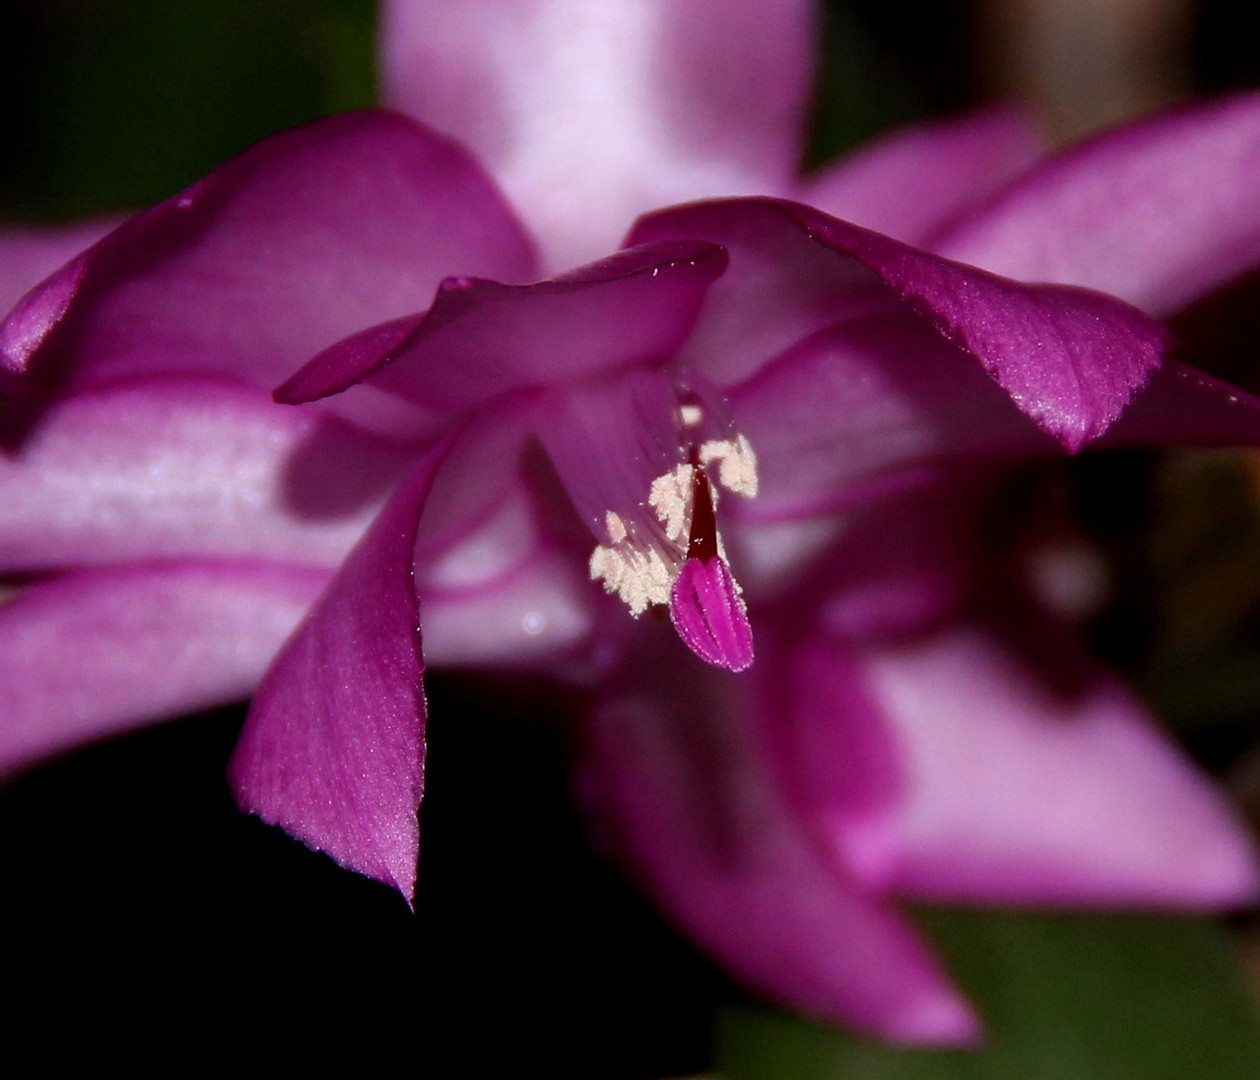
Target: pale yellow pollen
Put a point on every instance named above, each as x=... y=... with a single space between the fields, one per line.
x=639 y=576
x=670 y=496
x=615 y=526
x=737 y=464
x=691 y=415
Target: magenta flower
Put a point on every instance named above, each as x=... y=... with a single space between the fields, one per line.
x=787 y=431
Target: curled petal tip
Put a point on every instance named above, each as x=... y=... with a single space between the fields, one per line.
x=709 y=614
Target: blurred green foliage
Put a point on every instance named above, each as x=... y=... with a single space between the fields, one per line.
x=1064 y=997
x=116 y=104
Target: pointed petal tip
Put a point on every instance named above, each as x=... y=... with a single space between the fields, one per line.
x=1226 y=874
x=35 y=316
x=332 y=749
x=708 y=612
x=396 y=870
x=400 y=875
x=345 y=363
x=1068 y=431
x=940 y=1019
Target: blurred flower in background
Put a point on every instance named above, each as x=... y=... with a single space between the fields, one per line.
x=1023 y=234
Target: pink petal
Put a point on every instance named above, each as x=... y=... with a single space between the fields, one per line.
x=780 y=286
x=30 y=254
x=301 y=240
x=676 y=772
x=187 y=466
x=893 y=566
x=98 y=652
x=536 y=614
x=1020 y=778
x=1157 y=213
x=913 y=183
x=609 y=440
x=1185 y=407
x=590 y=114
x=868 y=406
x=913 y=404
x=481 y=338
x=332 y=750
x=1070 y=359
x=496 y=571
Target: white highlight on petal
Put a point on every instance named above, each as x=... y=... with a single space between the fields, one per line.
x=578 y=177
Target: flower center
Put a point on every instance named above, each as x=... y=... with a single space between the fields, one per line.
x=680 y=559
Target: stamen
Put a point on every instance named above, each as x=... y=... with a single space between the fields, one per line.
x=670 y=497
x=702 y=537
x=640 y=577
x=615 y=526
x=737 y=464
x=680 y=559
x=707 y=609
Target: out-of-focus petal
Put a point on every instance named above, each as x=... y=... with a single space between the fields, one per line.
x=298 y=242
x=1071 y=359
x=95 y=653
x=590 y=114
x=333 y=747
x=1023 y=777
x=496 y=572
x=1157 y=212
x=481 y=338
x=28 y=254
x=1184 y=407
x=893 y=567
x=915 y=182
x=676 y=774
x=187 y=466
x=537 y=611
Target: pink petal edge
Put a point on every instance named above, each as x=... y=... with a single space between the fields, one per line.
x=304 y=238
x=482 y=338
x=1158 y=212
x=1070 y=359
x=332 y=749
